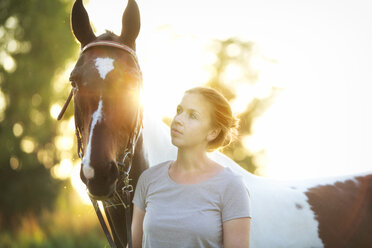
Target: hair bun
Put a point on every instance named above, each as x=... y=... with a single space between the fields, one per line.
x=235 y=123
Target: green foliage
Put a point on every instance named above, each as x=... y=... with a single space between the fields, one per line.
x=69 y=225
x=35 y=42
x=58 y=239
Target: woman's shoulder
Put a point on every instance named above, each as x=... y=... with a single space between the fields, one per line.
x=232 y=183
x=230 y=179
x=231 y=176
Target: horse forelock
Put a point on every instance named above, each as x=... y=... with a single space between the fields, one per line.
x=108 y=36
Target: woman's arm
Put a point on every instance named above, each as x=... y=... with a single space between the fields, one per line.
x=236 y=233
x=137 y=224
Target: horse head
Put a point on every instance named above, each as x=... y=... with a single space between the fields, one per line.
x=106 y=83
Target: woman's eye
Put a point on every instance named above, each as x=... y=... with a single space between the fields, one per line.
x=178 y=111
x=193 y=116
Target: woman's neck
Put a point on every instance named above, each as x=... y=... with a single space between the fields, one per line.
x=192 y=160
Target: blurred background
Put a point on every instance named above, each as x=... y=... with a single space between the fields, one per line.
x=297 y=73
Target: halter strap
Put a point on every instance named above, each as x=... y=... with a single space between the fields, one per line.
x=111 y=44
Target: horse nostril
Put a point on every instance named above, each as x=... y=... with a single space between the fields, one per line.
x=112 y=163
x=114 y=170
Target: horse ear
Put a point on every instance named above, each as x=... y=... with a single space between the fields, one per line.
x=130 y=24
x=80 y=24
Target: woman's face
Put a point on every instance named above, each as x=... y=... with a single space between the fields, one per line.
x=191 y=126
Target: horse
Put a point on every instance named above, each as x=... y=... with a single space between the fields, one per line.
x=322 y=212
x=106 y=87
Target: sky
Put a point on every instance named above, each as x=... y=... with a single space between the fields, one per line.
x=321 y=123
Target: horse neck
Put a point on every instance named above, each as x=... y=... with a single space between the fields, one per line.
x=156 y=139
x=139 y=162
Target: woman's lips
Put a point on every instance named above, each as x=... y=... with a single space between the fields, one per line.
x=175 y=131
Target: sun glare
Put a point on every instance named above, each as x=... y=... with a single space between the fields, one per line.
x=78 y=185
x=174 y=57
x=54 y=110
x=62 y=170
x=173 y=62
x=106 y=15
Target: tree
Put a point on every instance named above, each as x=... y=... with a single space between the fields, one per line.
x=232 y=68
x=35 y=42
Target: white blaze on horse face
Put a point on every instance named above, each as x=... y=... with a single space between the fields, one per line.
x=88 y=170
x=104 y=66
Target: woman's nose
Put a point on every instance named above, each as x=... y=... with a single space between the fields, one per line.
x=178 y=119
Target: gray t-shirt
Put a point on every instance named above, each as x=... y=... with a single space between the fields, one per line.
x=180 y=215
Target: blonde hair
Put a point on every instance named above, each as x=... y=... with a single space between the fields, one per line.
x=222 y=117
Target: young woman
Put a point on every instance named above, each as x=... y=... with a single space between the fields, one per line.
x=193 y=201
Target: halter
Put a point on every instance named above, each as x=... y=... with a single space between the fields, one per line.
x=126 y=164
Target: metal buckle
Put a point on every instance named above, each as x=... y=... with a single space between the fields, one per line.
x=128 y=188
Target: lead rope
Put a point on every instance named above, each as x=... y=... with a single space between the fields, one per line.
x=127 y=189
x=103 y=223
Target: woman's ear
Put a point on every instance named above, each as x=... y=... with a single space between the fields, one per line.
x=213 y=134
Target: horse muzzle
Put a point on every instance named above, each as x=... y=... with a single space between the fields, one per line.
x=103 y=185
x=99 y=197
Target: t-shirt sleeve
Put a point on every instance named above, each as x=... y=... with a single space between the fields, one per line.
x=139 y=198
x=236 y=200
